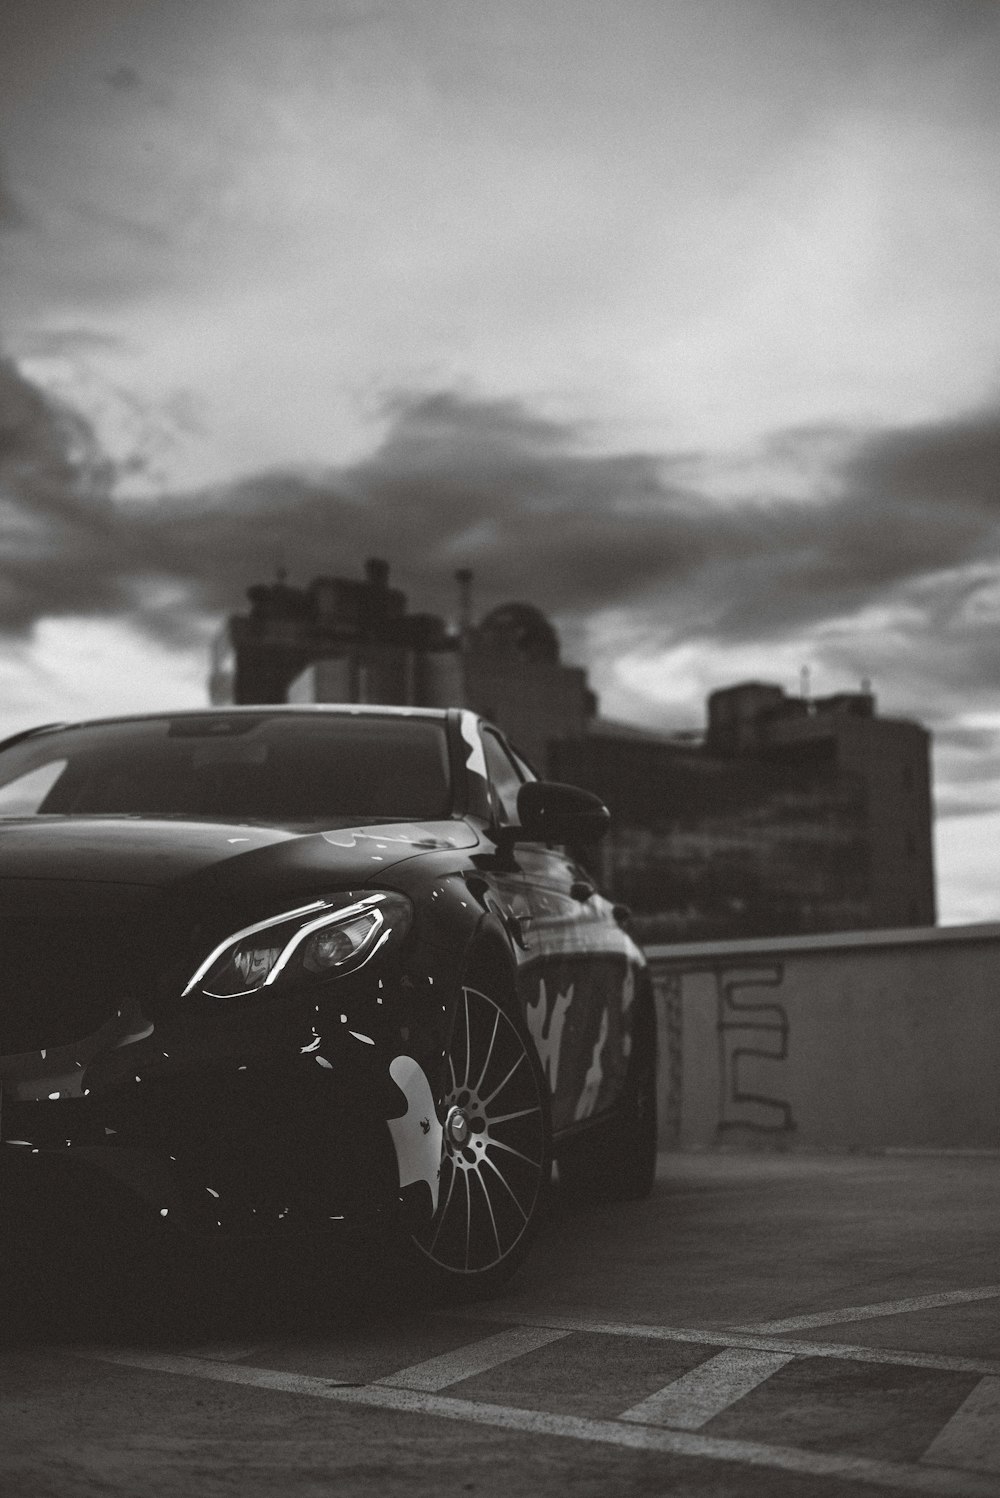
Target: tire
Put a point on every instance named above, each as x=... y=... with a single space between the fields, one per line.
x=496 y=1156
x=617 y=1160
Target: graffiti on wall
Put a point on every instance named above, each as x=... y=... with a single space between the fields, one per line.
x=752 y=1028
x=752 y=1040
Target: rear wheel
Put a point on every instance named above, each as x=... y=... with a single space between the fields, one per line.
x=496 y=1155
x=617 y=1160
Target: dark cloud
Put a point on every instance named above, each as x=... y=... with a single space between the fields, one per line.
x=949 y=807
x=58 y=521
x=953 y=465
x=972 y=742
x=520 y=499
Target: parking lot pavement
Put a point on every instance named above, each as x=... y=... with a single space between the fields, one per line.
x=776 y=1325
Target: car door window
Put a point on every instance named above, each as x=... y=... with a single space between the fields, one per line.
x=505 y=780
x=524 y=769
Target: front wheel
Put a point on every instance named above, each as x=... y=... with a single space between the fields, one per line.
x=497 y=1151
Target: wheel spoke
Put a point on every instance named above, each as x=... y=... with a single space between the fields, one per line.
x=489 y=1208
x=497 y=1090
x=489 y=1051
x=443 y=1213
x=501 y=1118
x=468 y=1038
x=498 y=1144
x=506 y=1185
x=468 y=1216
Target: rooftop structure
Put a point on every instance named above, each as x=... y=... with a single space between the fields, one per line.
x=787 y=815
x=341 y=640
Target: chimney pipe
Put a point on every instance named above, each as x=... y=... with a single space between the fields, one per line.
x=464 y=579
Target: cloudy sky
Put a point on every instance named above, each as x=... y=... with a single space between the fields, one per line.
x=679 y=318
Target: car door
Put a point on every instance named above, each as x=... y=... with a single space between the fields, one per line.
x=578 y=977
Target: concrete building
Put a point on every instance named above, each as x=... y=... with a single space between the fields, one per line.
x=341 y=640
x=788 y=815
x=363 y=626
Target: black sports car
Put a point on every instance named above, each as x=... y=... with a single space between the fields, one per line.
x=277 y=970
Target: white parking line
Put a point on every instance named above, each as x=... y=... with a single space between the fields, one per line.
x=869 y=1312
x=850 y=1352
x=690 y=1401
x=891 y=1475
x=972 y=1436
x=477 y=1357
x=223 y=1352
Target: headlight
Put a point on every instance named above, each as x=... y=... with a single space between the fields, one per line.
x=314 y=941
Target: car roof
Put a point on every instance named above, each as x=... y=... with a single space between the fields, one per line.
x=265 y=709
x=255 y=710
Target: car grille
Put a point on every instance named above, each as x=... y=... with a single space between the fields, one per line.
x=71 y=955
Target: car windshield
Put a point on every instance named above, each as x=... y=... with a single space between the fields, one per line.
x=278 y=768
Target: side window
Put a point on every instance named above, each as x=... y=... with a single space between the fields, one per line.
x=505 y=780
x=524 y=769
x=25 y=796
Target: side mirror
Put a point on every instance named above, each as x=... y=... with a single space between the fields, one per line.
x=553 y=813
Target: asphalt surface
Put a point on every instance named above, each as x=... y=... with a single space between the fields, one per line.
x=764 y=1325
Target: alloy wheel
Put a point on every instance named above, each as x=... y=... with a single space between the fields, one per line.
x=496 y=1150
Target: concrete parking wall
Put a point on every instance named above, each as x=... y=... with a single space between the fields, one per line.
x=863 y=1040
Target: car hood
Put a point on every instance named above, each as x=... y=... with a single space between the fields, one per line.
x=140 y=850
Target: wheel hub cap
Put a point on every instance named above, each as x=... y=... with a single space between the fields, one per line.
x=456 y=1128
